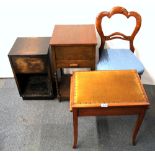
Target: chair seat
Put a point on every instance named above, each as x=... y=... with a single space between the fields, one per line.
x=119 y=59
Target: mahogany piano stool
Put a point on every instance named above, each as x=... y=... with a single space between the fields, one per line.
x=99 y=93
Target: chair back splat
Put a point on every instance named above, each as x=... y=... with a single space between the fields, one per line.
x=118 y=35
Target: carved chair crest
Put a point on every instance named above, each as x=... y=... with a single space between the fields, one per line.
x=118 y=35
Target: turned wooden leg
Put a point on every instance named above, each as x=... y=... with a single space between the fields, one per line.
x=75 y=126
x=137 y=127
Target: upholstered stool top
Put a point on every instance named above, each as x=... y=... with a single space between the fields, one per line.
x=110 y=88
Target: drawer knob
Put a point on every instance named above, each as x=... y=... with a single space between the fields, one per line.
x=73 y=65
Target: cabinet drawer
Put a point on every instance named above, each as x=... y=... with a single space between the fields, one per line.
x=74 y=63
x=29 y=65
x=74 y=53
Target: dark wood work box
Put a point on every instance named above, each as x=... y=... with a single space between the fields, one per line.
x=72 y=46
x=29 y=58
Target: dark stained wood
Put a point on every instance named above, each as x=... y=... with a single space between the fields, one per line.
x=64 y=86
x=118 y=35
x=30 y=46
x=29 y=58
x=30 y=65
x=73 y=46
x=35 y=86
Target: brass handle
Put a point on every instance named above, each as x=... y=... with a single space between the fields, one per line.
x=73 y=65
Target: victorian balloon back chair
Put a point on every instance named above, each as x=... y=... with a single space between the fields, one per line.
x=118 y=59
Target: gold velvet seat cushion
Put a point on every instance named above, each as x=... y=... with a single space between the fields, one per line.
x=115 y=88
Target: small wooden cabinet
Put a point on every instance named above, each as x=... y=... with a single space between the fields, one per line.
x=72 y=46
x=29 y=58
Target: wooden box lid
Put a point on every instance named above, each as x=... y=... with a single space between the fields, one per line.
x=113 y=88
x=74 y=35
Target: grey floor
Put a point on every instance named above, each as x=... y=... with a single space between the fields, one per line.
x=47 y=125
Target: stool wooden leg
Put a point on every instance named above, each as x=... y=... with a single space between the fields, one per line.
x=137 y=126
x=75 y=126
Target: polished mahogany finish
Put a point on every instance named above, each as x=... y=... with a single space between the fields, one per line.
x=72 y=46
x=112 y=95
x=73 y=35
x=118 y=35
x=29 y=58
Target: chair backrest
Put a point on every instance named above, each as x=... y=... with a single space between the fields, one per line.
x=118 y=35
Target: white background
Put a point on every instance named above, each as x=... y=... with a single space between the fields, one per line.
x=28 y=18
